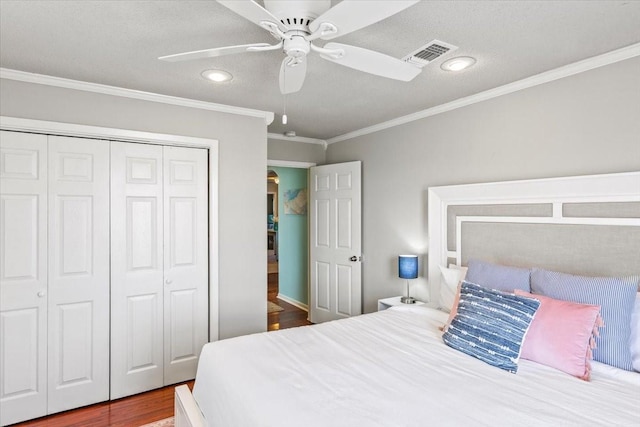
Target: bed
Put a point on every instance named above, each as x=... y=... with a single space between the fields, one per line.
x=392 y=368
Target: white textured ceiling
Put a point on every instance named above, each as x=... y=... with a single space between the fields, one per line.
x=117 y=43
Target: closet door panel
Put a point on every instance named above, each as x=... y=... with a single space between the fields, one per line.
x=78 y=272
x=136 y=268
x=185 y=261
x=23 y=276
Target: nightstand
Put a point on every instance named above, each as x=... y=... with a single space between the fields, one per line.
x=385 y=303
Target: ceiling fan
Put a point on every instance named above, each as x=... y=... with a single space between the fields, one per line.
x=296 y=24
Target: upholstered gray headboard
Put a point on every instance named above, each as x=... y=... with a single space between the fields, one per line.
x=586 y=225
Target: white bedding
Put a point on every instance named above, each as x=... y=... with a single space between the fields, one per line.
x=391 y=369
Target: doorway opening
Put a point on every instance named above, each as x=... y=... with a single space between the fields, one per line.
x=287 y=247
x=272 y=222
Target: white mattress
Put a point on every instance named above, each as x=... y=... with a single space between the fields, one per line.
x=391 y=369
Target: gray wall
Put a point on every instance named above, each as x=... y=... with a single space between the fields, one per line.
x=295 y=151
x=242 y=183
x=588 y=123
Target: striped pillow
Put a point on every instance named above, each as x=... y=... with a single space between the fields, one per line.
x=616 y=298
x=490 y=325
x=635 y=335
x=497 y=276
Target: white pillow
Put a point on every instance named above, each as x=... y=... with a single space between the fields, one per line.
x=449 y=285
x=635 y=335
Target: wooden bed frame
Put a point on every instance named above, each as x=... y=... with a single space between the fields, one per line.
x=610 y=188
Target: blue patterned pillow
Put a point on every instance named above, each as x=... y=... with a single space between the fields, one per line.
x=616 y=298
x=497 y=276
x=490 y=325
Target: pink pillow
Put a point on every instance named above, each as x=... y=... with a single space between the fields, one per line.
x=562 y=335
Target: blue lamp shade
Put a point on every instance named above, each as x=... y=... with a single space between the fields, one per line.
x=408 y=266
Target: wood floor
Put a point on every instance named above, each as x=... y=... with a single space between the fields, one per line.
x=290 y=317
x=155 y=405
x=127 y=412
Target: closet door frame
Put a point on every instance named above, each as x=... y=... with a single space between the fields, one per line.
x=125 y=135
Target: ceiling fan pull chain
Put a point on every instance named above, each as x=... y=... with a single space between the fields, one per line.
x=284 y=98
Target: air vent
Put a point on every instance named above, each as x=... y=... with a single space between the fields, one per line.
x=429 y=52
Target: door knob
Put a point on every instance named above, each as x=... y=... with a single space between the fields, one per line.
x=353 y=258
x=42 y=294
x=168 y=281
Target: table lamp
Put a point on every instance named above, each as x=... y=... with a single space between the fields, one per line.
x=408 y=269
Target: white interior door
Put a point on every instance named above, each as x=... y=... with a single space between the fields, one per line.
x=186 y=271
x=137 y=272
x=78 y=312
x=23 y=276
x=335 y=242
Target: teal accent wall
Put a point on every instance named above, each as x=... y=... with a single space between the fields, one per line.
x=293 y=241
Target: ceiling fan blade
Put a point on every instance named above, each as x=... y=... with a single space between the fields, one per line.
x=371 y=62
x=292 y=76
x=210 y=53
x=351 y=15
x=252 y=11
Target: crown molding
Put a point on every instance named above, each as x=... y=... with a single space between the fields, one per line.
x=614 y=56
x=290 y=164
x=297 y=139
x=42 y=79
x=86 y=131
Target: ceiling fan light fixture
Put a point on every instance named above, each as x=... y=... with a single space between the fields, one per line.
x=458 y=64
x=217 y=76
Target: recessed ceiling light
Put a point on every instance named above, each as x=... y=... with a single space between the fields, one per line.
x=217 y=76
x=458 y=64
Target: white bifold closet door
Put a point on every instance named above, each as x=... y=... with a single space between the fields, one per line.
x=23 y=276
x=159 y=265
x=78 y=273
x=186 y=261
x=54 y=343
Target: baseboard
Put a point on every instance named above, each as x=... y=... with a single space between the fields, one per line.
x=291 y=301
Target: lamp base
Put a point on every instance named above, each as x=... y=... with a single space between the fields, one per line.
x=408 y=300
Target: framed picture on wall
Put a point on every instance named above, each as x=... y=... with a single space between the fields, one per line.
x=295 y=202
